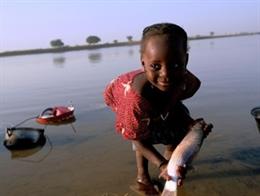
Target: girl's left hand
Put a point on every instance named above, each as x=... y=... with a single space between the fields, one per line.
x=164 y=173
x=180 y=172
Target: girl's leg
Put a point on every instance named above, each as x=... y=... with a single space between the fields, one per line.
x=142 y=169
x=144 y=185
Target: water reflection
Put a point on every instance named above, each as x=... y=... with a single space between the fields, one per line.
x=59 y=61
x=68 y=121
x=24 y=153
x=95 y=57
x=212 y=44
x=131 y=52
x=249 y=156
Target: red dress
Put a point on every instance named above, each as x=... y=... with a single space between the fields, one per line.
x=133 y=114
x=132 y=111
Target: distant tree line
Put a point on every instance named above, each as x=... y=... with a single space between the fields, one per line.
x=56 y=43
x=91 y=40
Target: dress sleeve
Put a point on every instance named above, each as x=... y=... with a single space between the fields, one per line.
x=136 y=119
x=109 y=95
x=130 y=108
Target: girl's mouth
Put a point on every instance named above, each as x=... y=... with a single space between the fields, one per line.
x=165 y=82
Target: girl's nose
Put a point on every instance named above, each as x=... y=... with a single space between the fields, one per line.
x=164 y=72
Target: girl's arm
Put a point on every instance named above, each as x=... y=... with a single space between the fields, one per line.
x=190 y=86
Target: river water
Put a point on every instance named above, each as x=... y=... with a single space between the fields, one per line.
x=87 y=157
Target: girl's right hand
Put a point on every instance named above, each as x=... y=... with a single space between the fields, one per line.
x=207 y=128
x=181 y=173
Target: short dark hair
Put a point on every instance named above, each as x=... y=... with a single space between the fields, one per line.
x=172 y=31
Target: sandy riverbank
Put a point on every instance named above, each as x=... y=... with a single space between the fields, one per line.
x=97 y=161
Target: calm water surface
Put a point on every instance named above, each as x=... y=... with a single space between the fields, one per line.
x=88 y=158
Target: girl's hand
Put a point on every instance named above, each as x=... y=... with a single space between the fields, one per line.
x=164 y=173
x=207 y=128
x=180 y=173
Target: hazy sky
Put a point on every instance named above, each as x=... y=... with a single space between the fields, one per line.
x=28 y=24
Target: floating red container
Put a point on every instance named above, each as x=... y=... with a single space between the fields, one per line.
x=56 y=115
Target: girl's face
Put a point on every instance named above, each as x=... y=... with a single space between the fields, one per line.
x=164 y=63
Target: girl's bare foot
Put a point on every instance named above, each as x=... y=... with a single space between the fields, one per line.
x=144 y=186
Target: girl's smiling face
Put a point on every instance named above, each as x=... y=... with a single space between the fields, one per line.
x=164 y=63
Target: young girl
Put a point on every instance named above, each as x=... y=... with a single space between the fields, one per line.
x=147 y=102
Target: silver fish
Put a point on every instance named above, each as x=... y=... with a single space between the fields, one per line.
x=182 y=155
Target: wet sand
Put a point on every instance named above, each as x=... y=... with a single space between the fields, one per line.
x=94 y=160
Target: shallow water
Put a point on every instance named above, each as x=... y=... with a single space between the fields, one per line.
x=87 y=157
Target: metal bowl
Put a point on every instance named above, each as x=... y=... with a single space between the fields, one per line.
x=256 y=112
x=23 y=138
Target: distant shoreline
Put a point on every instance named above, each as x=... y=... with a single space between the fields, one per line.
x=105 y=45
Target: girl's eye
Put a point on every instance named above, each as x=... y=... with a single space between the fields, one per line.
x=155 y=66
x=177 y=66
